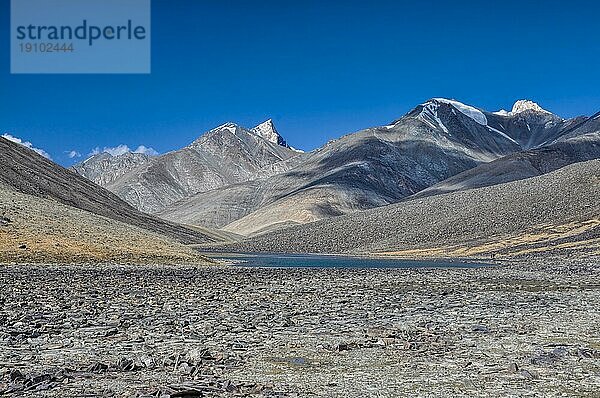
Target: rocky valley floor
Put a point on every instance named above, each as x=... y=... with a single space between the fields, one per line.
x=523 y=329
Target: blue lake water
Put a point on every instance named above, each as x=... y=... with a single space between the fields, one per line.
x=324 y=261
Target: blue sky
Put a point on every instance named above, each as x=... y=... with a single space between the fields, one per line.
x=319 y=69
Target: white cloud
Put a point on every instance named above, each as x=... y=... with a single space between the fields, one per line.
x=26 y=144
x=118 y=150
x=146 y=150
x=123 y=149
x=73 y=154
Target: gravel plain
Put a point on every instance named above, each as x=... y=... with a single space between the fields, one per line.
x=528 y=328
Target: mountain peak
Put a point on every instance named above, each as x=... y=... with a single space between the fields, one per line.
x=226 y=126
x=467 y=110
x=527 y=105
x=268 y=131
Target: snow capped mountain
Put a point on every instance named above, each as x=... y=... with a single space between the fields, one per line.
x=523 y=106
x=381 y=165
x=464 y=122
x=526 y=126
x=429 y=112
x=268 y=131
x=249 y=180
x=527 y=105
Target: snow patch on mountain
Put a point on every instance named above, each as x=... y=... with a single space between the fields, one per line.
x=231 y=127
x=467 y=110
x=503 y=134
x=429 y=115
x=268 y=131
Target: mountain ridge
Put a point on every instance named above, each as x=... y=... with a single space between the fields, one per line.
x=27 y=172
x=308 y=202
x=222 y=156
x=377 y=166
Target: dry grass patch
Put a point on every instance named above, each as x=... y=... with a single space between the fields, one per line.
x=544 y=239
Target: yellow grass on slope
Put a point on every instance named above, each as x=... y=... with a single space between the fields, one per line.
x=45 y=231
x=543 y=239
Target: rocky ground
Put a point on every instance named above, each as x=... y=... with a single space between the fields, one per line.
x=524 y=329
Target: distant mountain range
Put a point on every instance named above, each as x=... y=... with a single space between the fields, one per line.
x=51 y=214
x=250 y=181
x=226 y=155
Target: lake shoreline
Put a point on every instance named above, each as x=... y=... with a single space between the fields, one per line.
x=298 y=260
x=467 y=260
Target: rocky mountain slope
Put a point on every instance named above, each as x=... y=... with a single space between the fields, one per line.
x=226 y=155
x=24 y=171
x=558 y=211
x=374 y=167
x=104 y=168
x=248 y=181
x=580 y=144
x=41 y=230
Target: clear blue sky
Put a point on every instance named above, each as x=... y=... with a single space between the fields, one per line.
x=320 y=69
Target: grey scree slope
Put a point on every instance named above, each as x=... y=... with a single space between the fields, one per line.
x=27 y=172
x=568 y=195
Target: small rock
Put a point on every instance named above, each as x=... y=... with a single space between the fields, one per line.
x=15 y=375
x=230 y=387
x=111 y=332
x=528 y=374
x=97 y=367
x=480 y=329
x=126 y=364
x=513 y=367
x=549 y=358
x=587 y=353
x=186 y=368
x=342 y=347
x=23 y=247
